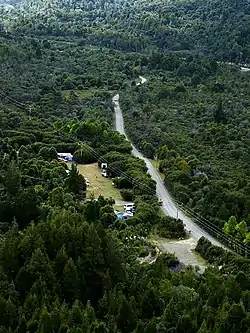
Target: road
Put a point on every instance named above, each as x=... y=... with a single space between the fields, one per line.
x=162 y=193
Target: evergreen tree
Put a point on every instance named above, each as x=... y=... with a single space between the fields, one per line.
x=70 y=281
x=125 y=319
x=75 y=181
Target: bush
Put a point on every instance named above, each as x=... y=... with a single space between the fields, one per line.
x=48 y=153
x=84 y=156
x=169 y=259
x=127 y=195
x=170 y=227
x=153 y=252
x=143 y=252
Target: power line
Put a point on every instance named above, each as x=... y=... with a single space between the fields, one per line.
x=215 y=229
x=129 y=178
x=205 y=223
x=13 y=101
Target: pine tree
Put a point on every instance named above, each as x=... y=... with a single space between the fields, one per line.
x=125 y=319
x=185 y=325
x=75 y=181
x=22 y=327
x=12 y=180
x=203 y=328
x=70 y=281
x=44 y=325
x=76 y=315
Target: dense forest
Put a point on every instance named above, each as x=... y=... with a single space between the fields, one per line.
x=194 y=119
x=67 y=264
x=217 y=28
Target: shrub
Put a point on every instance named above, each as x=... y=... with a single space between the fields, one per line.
x=127 y=195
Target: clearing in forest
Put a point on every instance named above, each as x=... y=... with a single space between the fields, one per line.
x=98 y=185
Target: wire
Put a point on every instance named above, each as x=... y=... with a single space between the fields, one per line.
x=13 y=101
x=205 y=223
x=129 y=178
x=201 y=219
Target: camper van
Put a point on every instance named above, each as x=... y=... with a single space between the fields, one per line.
x=130 y=207
x=104 y=173
x=104 y=166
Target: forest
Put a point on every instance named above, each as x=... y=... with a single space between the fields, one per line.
x=208 y=28
x=67 y=264
x=194 y=119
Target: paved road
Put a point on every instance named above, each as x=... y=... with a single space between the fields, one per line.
x=168 y=205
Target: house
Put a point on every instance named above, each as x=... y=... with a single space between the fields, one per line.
x=66 y=157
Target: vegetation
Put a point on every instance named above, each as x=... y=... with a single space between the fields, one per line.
x=170 y=227
x=217 y=28
x=197 y=130
x=67 y=264
x=98 y=185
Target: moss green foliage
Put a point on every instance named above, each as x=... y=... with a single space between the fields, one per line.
x=220 y=28
x=218 y=256
x=198 y=134
x=67 y=264
x=72 y=273
x=170 y=227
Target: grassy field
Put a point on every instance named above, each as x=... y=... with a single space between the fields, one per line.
x=83 y=94
x=98 y=185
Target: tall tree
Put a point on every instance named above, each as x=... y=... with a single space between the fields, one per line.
x=125 y=319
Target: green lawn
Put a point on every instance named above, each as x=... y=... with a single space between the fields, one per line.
x=83 y=94
x=98 y=185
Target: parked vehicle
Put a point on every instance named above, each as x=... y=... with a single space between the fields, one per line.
x=130 y=207
x=104 y=173
x=127 y=215
x=104 y=166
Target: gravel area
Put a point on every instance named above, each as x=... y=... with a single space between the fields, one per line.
x=184 y=251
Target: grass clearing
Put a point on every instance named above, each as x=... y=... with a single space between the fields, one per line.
x=83 y=94
x=98 y=185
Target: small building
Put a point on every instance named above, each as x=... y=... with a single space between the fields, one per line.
x=66 y=157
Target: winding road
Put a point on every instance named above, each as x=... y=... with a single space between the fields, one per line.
x=168 y=206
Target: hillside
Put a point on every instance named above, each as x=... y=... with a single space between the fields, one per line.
x=210 y=28
x=68 y=263
x=195 y=120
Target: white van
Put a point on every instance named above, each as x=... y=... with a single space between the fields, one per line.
x=104 y=173
x=130 y=207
